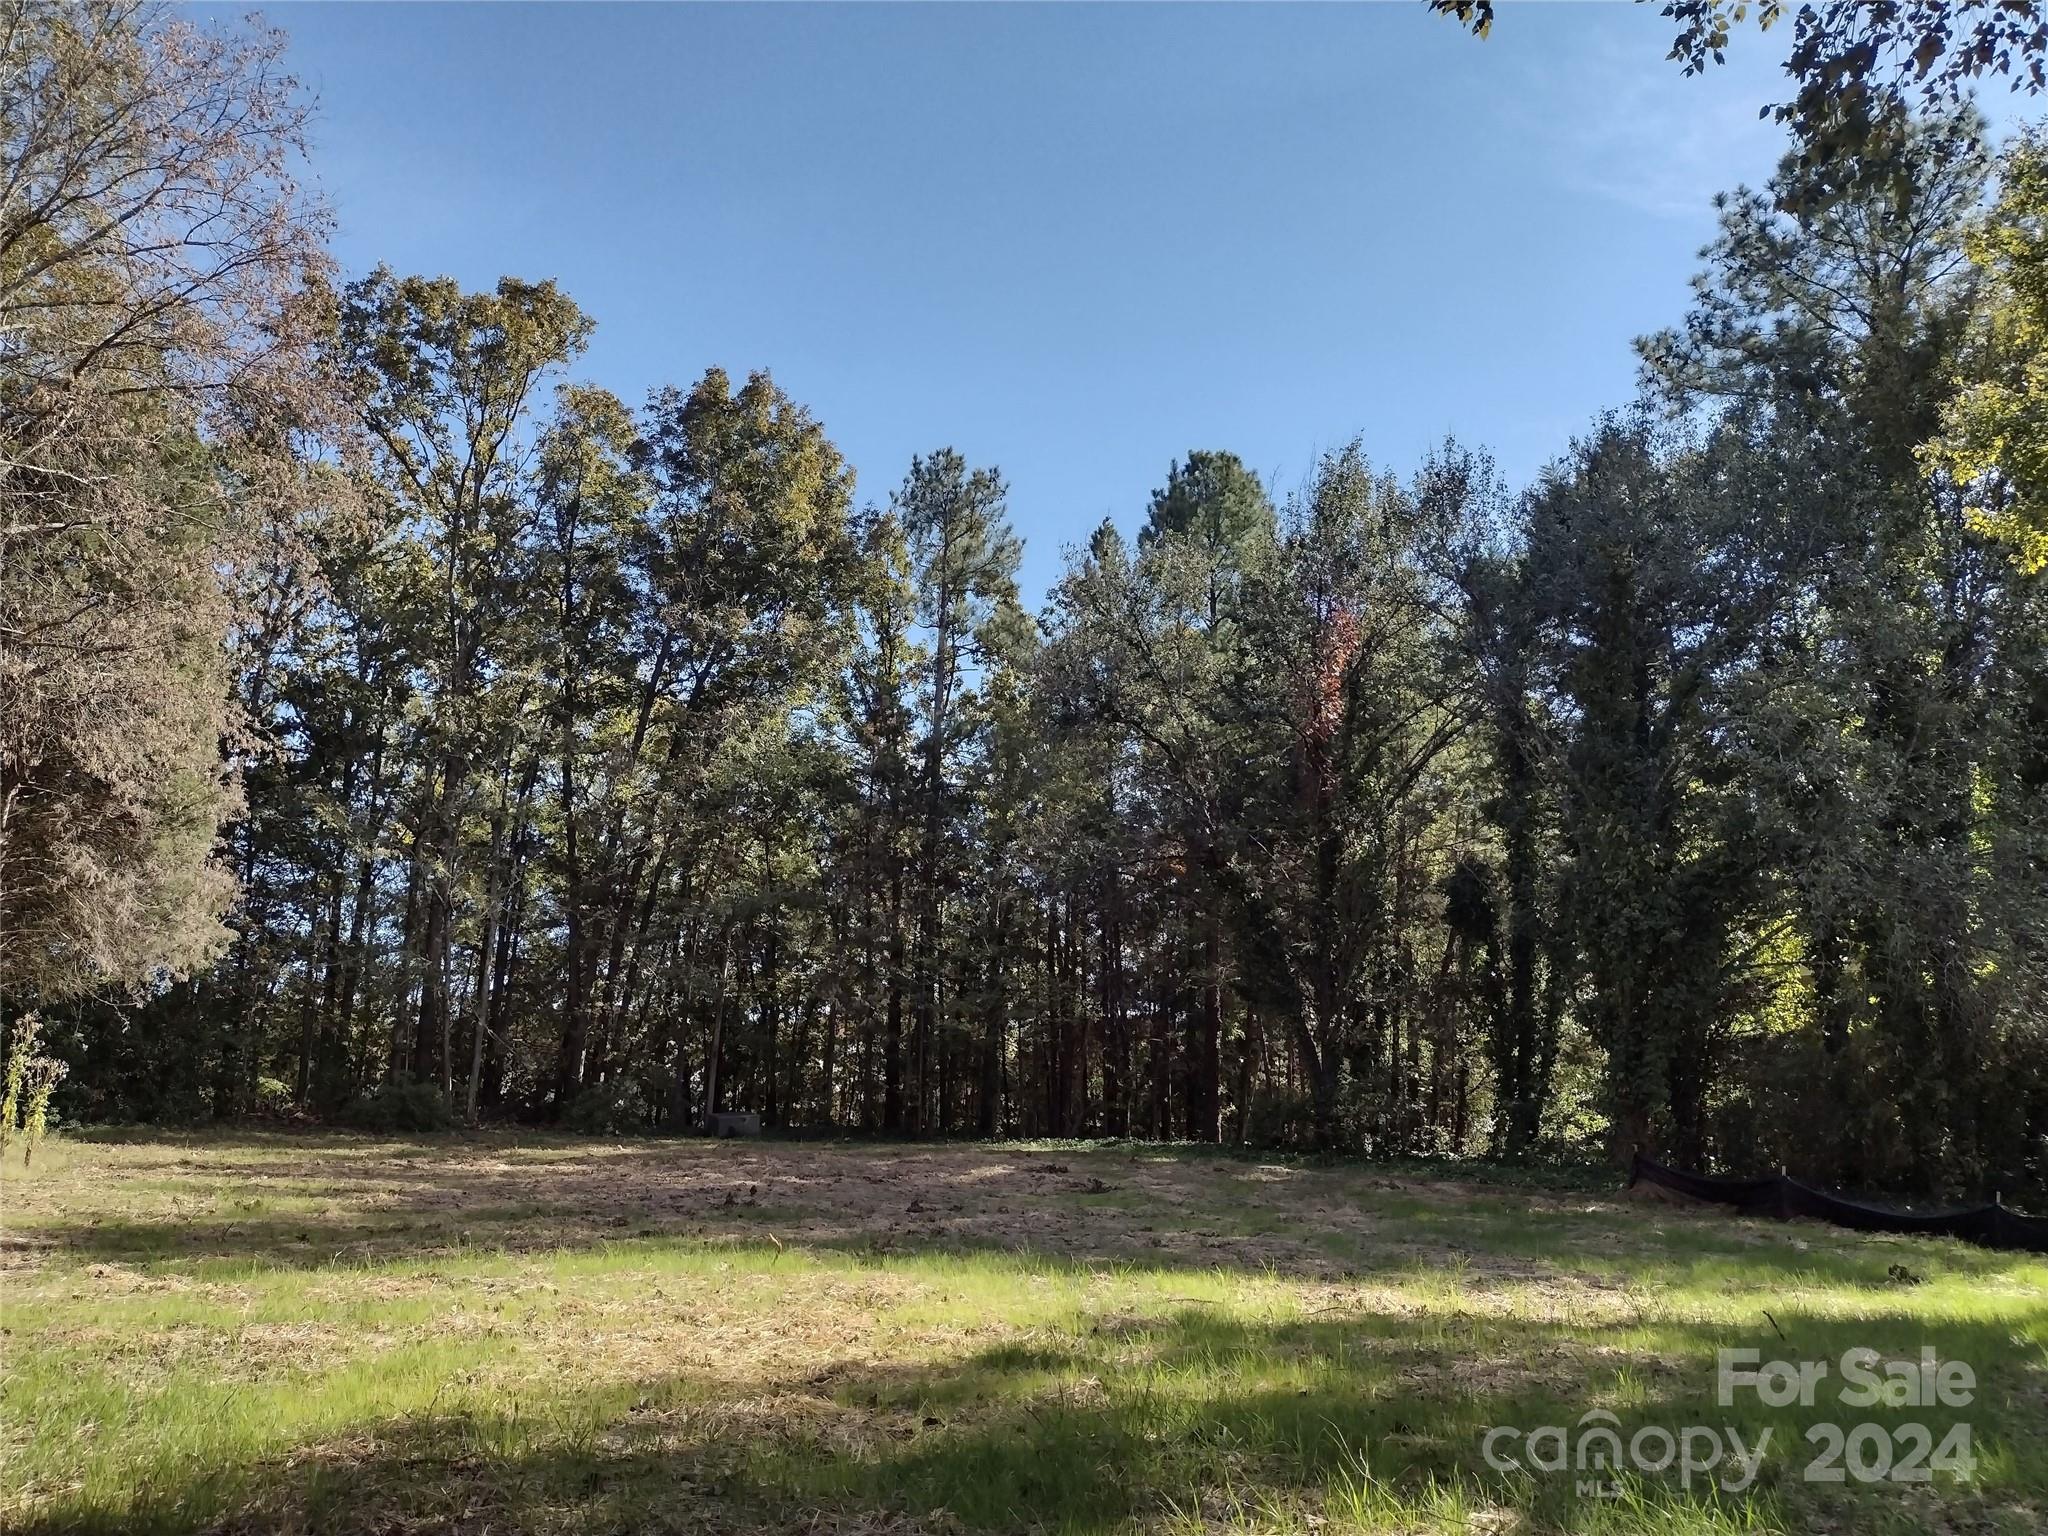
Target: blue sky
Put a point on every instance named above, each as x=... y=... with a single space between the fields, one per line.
x=1074 y=241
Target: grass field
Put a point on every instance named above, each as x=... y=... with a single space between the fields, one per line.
x=499 y=1335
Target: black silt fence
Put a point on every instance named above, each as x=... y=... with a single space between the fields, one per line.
x=1990 y=1226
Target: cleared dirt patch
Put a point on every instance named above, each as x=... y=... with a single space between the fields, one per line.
x=301 y=1199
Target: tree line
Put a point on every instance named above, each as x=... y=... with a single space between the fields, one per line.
x=397 y=726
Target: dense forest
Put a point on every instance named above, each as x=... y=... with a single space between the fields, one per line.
x=396 y=726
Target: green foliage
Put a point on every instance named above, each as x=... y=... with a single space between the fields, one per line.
x=161 y=404
x=29 y=1080
x=614 y=1108
x=403 y=1106
x=1634 y=639
x=16 y=1082
x=611 y=766
x=1212 y=500
x=41 y=1079
x=1994 y=431
x=1879 y=717
x=273 y=1097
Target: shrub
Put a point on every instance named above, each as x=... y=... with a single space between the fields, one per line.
x=404 y=1104
x=29 y=1081
x=19 y=1052
x=608 y=1109
x=1280 y=1118
x=274 y=1097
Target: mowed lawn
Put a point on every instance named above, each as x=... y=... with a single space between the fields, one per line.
x=512 y=1334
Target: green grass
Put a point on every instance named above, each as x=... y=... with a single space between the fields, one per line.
x=543 y=1334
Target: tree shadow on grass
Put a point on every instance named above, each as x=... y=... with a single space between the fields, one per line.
x=1708 y=1255
x=1370 y=1416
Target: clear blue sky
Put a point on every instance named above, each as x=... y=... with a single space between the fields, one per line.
x=1074 y=241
